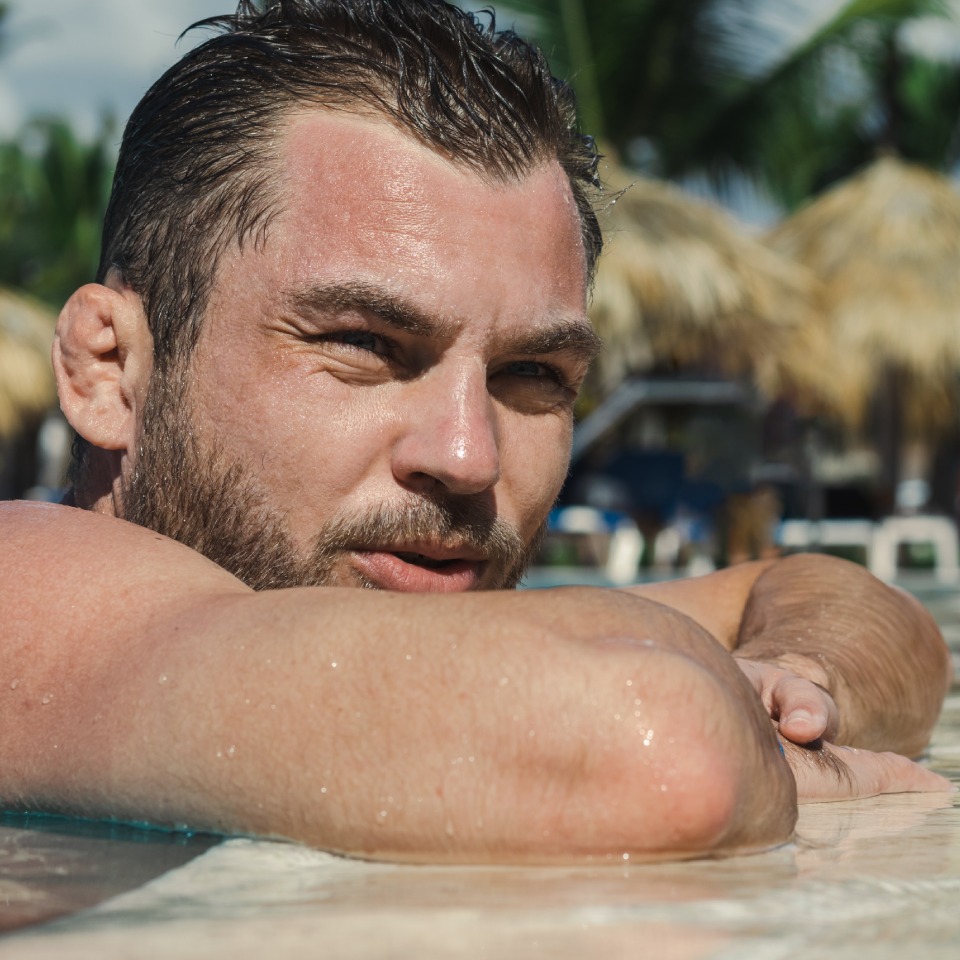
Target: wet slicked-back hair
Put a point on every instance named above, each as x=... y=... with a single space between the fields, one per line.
x=198 y=165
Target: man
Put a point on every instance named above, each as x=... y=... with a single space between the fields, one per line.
x=335 y=342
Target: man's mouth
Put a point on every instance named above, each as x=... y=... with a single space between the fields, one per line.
x=422 y=560
x=427 y=570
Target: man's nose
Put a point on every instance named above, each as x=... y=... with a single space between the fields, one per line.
x=450 y=434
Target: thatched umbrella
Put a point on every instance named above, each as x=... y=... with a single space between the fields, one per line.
x=886 y=246
x=27 y=388
x=679 y=285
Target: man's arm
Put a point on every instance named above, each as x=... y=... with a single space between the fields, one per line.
x=874 y=649
x=142 y=682
x=716 y=600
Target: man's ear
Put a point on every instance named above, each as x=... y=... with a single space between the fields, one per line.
x=102 y=357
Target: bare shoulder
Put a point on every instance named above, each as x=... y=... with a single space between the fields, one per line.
x=60 y=565
x=47 y=538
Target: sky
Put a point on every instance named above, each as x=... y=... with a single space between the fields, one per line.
x=79 y=58
x=84 y=58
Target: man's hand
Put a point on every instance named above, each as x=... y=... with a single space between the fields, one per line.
x=876 y=650
x=827 y=772
x=804 y=711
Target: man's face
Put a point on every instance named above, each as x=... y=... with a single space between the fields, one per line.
x=382 y=392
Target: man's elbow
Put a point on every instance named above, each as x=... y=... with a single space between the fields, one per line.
x=723 y=787
x=688 y=768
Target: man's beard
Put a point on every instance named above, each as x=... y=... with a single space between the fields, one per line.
x=194 y=495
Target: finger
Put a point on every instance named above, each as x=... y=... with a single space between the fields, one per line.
x=879 y=773
x=843 y=773
x=807 y=712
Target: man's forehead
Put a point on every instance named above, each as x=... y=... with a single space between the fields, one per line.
x=363 y=151
x=358 y=193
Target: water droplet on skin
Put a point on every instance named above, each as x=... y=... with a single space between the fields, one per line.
x=409 y=656
x=626 y=856
x=646 y=743
x=231 y=750
x=162 y=678
x=629 y=683
x=333 y=663
x=46 y=698
x=14 y=684
x=382 y=814
x=323 y=789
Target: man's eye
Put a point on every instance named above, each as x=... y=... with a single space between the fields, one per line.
x=533 y=387
x=360 y=340
x=533 y=369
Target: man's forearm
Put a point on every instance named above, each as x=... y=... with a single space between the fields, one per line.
x=443 y=745
x=875 y=649
x=715 y=601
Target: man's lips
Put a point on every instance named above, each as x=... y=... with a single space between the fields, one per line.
x=417 y=568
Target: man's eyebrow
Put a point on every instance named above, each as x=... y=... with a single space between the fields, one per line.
x=363 y=297
x=573 y=335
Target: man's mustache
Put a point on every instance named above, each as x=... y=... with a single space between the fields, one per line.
x=467 y=525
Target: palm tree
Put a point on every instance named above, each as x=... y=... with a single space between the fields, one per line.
x=794 y=93
x=56 y=189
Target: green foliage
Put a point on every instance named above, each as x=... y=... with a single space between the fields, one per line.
x=56 y=189
x=931 y=117
x=714 y=86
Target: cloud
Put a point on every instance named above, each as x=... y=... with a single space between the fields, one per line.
x=84 y=58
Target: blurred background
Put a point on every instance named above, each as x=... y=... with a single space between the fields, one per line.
x=779 y=296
